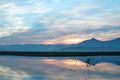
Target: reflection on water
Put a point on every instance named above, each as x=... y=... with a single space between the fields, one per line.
x=59 y=68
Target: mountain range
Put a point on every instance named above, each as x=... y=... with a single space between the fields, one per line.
x=95 y=45
x=90 y=45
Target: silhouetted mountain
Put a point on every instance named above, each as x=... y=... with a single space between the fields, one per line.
x=85 y=46
x=95 y=45
x=30 y=47
x=90 y=43
x=113 y=43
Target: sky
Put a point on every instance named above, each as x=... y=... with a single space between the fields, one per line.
x=42 y=68
x=58 y=21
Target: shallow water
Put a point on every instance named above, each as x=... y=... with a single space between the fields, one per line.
x=59 y=68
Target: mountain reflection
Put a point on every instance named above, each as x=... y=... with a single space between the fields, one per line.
x=59 y=68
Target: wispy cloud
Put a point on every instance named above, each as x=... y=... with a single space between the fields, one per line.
x=14 y=16
x=60 y=19
x=13 y=24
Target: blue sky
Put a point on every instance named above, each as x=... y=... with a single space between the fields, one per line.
x=58 y=21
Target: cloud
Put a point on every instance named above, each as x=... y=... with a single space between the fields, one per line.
x=14 y=19
x=38 y=7
x=12 y=8
x=69 y=39
x=16 y=26
x=61 y=20
x=13 y=24
x=108 y=35
x=57 y=37
x=75 y=21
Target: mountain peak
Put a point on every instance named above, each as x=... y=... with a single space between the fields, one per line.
x=93 y=39
x=91 y=42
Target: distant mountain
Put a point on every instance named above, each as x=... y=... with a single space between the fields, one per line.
x=31 y=47
x=113 y=43
x=90 y=43
x=94 y=45
x=85 y=46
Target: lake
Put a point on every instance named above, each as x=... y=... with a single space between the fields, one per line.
x=59 y=68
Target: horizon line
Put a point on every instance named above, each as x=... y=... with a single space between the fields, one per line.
x=60 y=43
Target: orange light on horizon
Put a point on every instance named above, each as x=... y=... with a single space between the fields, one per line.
x=64 y=41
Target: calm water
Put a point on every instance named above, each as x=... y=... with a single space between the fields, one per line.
x=59 y=68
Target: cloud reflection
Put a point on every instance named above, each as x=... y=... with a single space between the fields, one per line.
x=22 y=68
x=8 y=74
